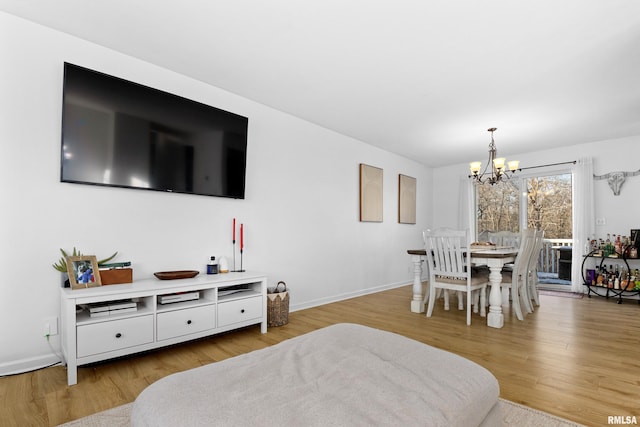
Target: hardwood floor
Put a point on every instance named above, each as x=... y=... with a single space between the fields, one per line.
x=576 y=358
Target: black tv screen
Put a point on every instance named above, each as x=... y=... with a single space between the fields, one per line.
x=123 y=134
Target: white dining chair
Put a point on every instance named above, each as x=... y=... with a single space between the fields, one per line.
x=514 y=278
x=450 y=269
x=504 y=238
x=532 y=272
x=440 y=292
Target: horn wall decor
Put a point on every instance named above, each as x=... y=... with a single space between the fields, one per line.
x=616 y=179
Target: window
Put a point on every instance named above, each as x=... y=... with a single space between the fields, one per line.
x=546 y=205
x=549 y=202
x=498 y=208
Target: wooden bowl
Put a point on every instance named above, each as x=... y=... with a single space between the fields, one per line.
x=180 y=274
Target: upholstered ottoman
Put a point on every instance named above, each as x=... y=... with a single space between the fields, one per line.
x=342 y=375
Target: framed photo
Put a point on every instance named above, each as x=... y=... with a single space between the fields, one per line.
x=635 y=238
x=83 y=272
x=370 y=193
x=406 y=199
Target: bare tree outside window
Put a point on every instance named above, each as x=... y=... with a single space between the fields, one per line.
x=498 y=208
x=549 y=206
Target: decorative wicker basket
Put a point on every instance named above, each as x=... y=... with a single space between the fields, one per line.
x=278 y=305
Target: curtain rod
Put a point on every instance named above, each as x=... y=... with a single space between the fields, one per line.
x=573 y=162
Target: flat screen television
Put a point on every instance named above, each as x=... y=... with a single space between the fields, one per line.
x=122 y=134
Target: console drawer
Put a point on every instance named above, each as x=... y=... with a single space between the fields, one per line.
x=186 y=321
x=239 y=310
x=114 y=335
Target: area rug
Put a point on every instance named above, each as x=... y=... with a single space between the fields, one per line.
x=562 y=294
x=513 y=415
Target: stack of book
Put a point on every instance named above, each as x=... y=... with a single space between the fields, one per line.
x=110 y=308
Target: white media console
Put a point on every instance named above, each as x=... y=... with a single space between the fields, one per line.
x=226 y=301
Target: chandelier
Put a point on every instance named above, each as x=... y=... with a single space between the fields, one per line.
x=498 y=170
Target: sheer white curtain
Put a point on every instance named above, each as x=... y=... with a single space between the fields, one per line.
x=467 y=207
x=583 y=218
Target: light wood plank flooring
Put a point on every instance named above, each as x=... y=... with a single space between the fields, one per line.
x=575 y=358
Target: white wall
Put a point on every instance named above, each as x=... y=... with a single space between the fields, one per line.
x=620 y=212
x=300 y=211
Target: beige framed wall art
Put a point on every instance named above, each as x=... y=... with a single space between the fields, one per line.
x=370 y=193
x=406 y=199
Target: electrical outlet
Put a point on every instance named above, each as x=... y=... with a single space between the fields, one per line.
x=601 y=221
x=50 y=326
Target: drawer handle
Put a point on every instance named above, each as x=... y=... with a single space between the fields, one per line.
x=118 y=335
x=188 y=322
x=242 y=311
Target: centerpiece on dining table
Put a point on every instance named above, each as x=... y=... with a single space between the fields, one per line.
x=483 y=245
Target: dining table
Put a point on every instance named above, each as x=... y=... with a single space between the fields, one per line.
x=493 y=257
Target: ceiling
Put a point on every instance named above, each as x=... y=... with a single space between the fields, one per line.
x=421 y=78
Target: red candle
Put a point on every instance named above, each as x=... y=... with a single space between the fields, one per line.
x=241 y=236
x=234 y=230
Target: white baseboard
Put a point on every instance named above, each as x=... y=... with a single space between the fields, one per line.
x=348 y=295
x=30 y=364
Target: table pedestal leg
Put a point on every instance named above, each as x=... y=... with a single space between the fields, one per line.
x=495 y=318
x=417 y=305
